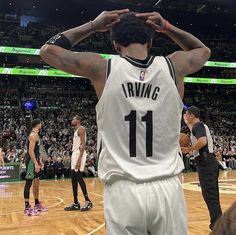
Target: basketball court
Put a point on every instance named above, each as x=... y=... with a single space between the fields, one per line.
x=57 y=194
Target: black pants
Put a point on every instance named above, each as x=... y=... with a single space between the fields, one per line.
x=67 y=172
x=50 y=173
x=59 y=172
x=208 y=173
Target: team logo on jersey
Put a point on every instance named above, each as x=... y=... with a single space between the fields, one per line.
x=142 y=75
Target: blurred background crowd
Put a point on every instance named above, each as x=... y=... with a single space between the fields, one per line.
x=57 y=107
x=58 y=99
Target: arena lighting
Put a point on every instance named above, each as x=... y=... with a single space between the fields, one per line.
x=59 y=73
x=32 y=51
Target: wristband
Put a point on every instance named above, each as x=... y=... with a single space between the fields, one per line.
x=166 y=27
x=60 y=40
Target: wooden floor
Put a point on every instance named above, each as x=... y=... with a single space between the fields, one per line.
x=57 y=194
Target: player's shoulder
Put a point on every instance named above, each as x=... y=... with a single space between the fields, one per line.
x=33 y=136
x=198 y=124
x=198 y=127
x=81 y=129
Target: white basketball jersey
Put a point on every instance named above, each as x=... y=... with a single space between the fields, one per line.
x=139 y=117
x=76 y=141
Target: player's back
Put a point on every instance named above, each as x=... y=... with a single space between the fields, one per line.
x=139 y=116
x=36 y=147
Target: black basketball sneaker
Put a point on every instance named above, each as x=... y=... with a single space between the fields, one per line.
x=73 y=207
x=87 y=206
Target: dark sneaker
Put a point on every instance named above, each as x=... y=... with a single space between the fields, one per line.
x=40 y=208
x=73 y=207
x=87 y=206
x=31 y=212
x=211 y=226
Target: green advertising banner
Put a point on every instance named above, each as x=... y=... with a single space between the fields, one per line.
x=58 y=73
x=220 y=64
x=32 y=51
x=35 y=72
x=218 y=81
x=19 y=50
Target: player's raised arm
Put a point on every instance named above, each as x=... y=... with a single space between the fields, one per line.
x=194 y=54
x=56 y=50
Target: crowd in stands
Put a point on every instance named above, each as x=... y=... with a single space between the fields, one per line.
x=58 y=101
x=36 y=34
x=218 y=112
x=56 y=135
x=56 y=112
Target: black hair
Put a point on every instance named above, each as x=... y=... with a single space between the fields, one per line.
x=77 y=117
x=131 y=29
x=194 y=110
x=35 y=122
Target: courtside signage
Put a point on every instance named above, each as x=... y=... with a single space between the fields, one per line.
x=33 y=51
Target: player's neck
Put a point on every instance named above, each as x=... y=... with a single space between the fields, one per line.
x=136 y=51
x=36 y=130
x=77 y=127
x=196 y=120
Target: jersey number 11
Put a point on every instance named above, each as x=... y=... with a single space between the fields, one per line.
x=132 y=119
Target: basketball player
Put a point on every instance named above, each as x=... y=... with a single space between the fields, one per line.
x=78 y=160
x=1 y=158
x=32 y=170
x=207 y=164
x=138 y=116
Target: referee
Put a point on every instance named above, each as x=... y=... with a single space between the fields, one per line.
x=207 y=165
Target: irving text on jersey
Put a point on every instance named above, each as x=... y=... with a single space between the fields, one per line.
x=138 y=89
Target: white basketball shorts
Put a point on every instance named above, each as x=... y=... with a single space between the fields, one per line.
x=154 y=208
x=74 y=159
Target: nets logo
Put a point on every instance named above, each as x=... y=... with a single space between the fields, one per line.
x=142 y=75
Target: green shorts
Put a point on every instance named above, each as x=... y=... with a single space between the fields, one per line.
x=30 y=173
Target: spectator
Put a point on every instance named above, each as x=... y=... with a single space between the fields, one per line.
x=59 y=168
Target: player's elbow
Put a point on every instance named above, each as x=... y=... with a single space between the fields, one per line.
x=43 y=50
x=46 y=51
x=206 y=53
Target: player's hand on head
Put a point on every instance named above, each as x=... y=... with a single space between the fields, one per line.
x=154 y=19
x=107 y=19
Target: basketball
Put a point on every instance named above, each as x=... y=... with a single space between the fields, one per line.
x=184 y=140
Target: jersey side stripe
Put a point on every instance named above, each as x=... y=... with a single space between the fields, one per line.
x=100 y=149
x=108 y=71
x=171 y=68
